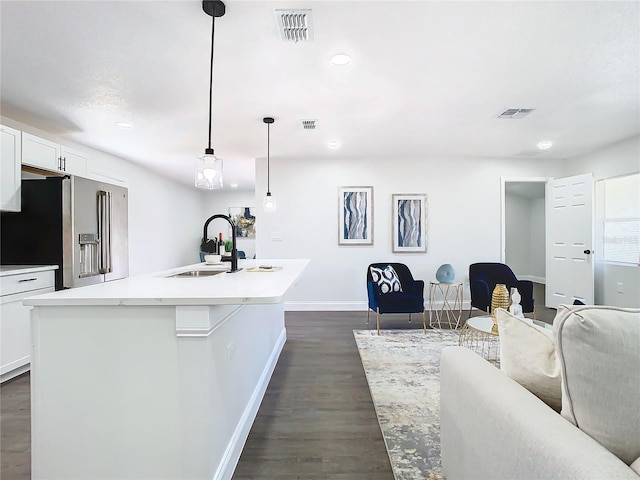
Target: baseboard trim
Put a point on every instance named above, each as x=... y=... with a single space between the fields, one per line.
x=16 y=371
x=324 y=306
x=234 y=449
x=533 y=278
x=347 y=306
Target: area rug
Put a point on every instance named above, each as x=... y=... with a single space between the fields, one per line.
x=403 y=372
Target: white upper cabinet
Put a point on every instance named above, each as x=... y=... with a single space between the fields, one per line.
x=73 y=162
x=40 y=153
x=10 y=156
x=47 y=155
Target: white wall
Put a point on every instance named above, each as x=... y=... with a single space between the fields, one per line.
x=165 y=217
x=619 y=159
x=537 y=239
x=614 y=160
x=517 y=234
x=525 y=235
x=463 y=201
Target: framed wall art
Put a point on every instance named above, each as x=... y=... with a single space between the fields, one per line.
x=245 y=220
x=355 y=224
x=409 y=222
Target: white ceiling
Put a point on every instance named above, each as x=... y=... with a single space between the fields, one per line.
x=426 y=79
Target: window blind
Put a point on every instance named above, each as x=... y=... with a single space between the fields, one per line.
x=621 y=229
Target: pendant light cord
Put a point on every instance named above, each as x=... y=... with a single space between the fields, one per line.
x=268 y=155
x=268 y=121
x=213 y=30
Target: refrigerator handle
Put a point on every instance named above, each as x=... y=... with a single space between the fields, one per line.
x=104 y=230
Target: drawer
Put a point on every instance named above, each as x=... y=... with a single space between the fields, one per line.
x=25 y=282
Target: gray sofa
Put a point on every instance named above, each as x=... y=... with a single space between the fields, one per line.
x=493 y=428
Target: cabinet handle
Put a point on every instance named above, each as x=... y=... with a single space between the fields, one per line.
x=63 y=164
x=27 y=280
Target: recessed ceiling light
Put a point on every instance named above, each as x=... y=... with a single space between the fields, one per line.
x=233 y=185
x=340 y=59
x=334 y=144
x=125 y=125
x=545 y=144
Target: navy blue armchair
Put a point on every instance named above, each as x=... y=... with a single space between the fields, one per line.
x=386 y=294
x=483 y=277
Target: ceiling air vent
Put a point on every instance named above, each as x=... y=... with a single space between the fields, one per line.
x=309 y=124
x=295 y=25
x=515 y=113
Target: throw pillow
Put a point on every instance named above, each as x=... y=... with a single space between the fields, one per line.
x=387 y=279
x=635 y=466
x=528 y=355
x=599 y=354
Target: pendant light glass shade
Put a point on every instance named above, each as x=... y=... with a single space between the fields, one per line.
x=269 y=202
x=208 y=172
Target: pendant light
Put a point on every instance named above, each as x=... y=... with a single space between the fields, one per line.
x=269 y=202
x=208 y=166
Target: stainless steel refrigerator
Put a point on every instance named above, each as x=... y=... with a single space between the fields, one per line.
x=78 y=224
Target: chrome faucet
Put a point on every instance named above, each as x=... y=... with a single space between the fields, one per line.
x=234 y=250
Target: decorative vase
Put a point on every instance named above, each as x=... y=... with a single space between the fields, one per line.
x=499 y=299
x=445 y=273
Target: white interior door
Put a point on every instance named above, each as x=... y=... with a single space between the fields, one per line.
x=570 y=262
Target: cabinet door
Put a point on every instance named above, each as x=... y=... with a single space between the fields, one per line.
x=15 y=328
x=73 y=162
x=15 y=333
x=40 y=153
x=10 y=157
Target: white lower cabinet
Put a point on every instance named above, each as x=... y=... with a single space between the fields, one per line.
x=15 y=319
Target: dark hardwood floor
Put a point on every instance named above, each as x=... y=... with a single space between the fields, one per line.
x=15 y=429
x=317 y=420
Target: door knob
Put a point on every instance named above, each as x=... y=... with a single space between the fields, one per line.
x=587 y=252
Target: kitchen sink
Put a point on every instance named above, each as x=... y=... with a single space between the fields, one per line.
x=196 y=273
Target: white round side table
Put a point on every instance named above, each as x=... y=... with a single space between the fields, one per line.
x=478 y=335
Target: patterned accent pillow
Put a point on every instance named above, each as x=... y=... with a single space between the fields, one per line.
x=386 y=279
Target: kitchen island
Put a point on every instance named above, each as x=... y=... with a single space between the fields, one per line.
x=155 y=376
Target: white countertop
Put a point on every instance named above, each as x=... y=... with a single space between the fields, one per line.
x=243 y=287
x=16 y=269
